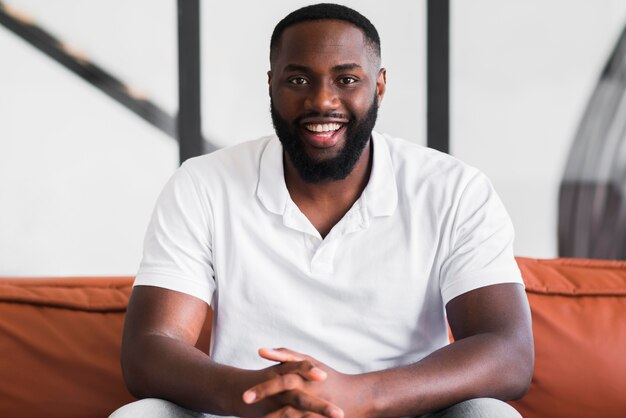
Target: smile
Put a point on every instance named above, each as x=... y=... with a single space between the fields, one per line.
x=322 y=135
x=323 y=128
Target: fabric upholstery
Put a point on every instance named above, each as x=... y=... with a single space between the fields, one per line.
x=59 y=346
x=579 y=325
x=60 y=342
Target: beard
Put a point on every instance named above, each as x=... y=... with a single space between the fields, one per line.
x=339 y=167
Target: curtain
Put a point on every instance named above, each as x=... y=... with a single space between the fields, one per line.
x=592 y=197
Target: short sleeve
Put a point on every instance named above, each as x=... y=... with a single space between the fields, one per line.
x=177 y=252
x=481 y=243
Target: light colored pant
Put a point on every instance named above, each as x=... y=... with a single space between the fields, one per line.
x=477 y=408
x=474 y=408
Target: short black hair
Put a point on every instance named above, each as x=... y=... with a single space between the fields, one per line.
x=327 y=11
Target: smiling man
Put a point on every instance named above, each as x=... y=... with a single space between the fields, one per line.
x=330 y=255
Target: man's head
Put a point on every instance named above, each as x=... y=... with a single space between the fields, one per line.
x=325 y=87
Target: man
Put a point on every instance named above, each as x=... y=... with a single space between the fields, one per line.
x=343 y=246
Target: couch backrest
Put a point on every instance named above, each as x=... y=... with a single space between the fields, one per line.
x=60 y=342
x=60 y=345
x=579 y=324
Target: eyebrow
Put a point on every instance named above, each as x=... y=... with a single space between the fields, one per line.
x=336 y=68
x=297 y=68
x=346 y=67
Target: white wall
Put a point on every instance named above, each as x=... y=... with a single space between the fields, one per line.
x=522 y=72
x=134 y=40
x=79 y=174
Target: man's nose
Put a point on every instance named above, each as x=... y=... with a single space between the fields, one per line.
x=322 y=98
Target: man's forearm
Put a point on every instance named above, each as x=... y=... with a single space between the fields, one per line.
x=162 y=367
x=484 y=365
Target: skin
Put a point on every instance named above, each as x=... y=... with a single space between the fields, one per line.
x=493 y=351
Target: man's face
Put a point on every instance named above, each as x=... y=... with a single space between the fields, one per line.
x=325 y=88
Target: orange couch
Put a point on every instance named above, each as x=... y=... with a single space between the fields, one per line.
x=60 y=342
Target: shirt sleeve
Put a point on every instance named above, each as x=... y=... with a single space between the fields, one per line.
x=177 y=252
x=481 y=249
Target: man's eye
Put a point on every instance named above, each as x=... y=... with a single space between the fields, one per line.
x=348 y=80
x=298 y=80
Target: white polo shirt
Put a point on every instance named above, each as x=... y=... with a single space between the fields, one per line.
x=369 y=296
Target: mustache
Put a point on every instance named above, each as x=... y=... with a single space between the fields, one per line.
x=315 y=114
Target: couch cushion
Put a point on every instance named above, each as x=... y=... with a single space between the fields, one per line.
x=579 y=324
x=59 y=346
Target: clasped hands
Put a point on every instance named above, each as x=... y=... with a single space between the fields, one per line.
x=302 y=386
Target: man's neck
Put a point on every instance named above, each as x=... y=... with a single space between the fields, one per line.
x=325 y=203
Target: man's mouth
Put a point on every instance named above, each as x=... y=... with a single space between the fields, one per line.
x=323 y=129
x=322 y=135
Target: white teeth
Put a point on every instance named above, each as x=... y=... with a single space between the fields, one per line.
x=326 y=127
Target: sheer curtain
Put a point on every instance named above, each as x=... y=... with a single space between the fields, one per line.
x=592 y=198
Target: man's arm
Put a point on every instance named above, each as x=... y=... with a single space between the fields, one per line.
x=492 y=356
x=159 y=360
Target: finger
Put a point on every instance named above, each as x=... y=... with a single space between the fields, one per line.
x=281 y=354
x=300 y=404
x=274 y=386
x=303 y=401
x=291 y=412
x=306 y=369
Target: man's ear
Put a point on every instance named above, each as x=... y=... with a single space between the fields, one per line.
x=269 y=81
x=381 y=84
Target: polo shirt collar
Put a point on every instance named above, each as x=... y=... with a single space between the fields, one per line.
x=272 y=189
x=380 y=196
x=381 y=192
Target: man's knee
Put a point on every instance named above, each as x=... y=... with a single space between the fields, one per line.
x=480 y=408
x=154 y=408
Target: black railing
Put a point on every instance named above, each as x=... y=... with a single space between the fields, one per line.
x=438 y=75
x=187 y=132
